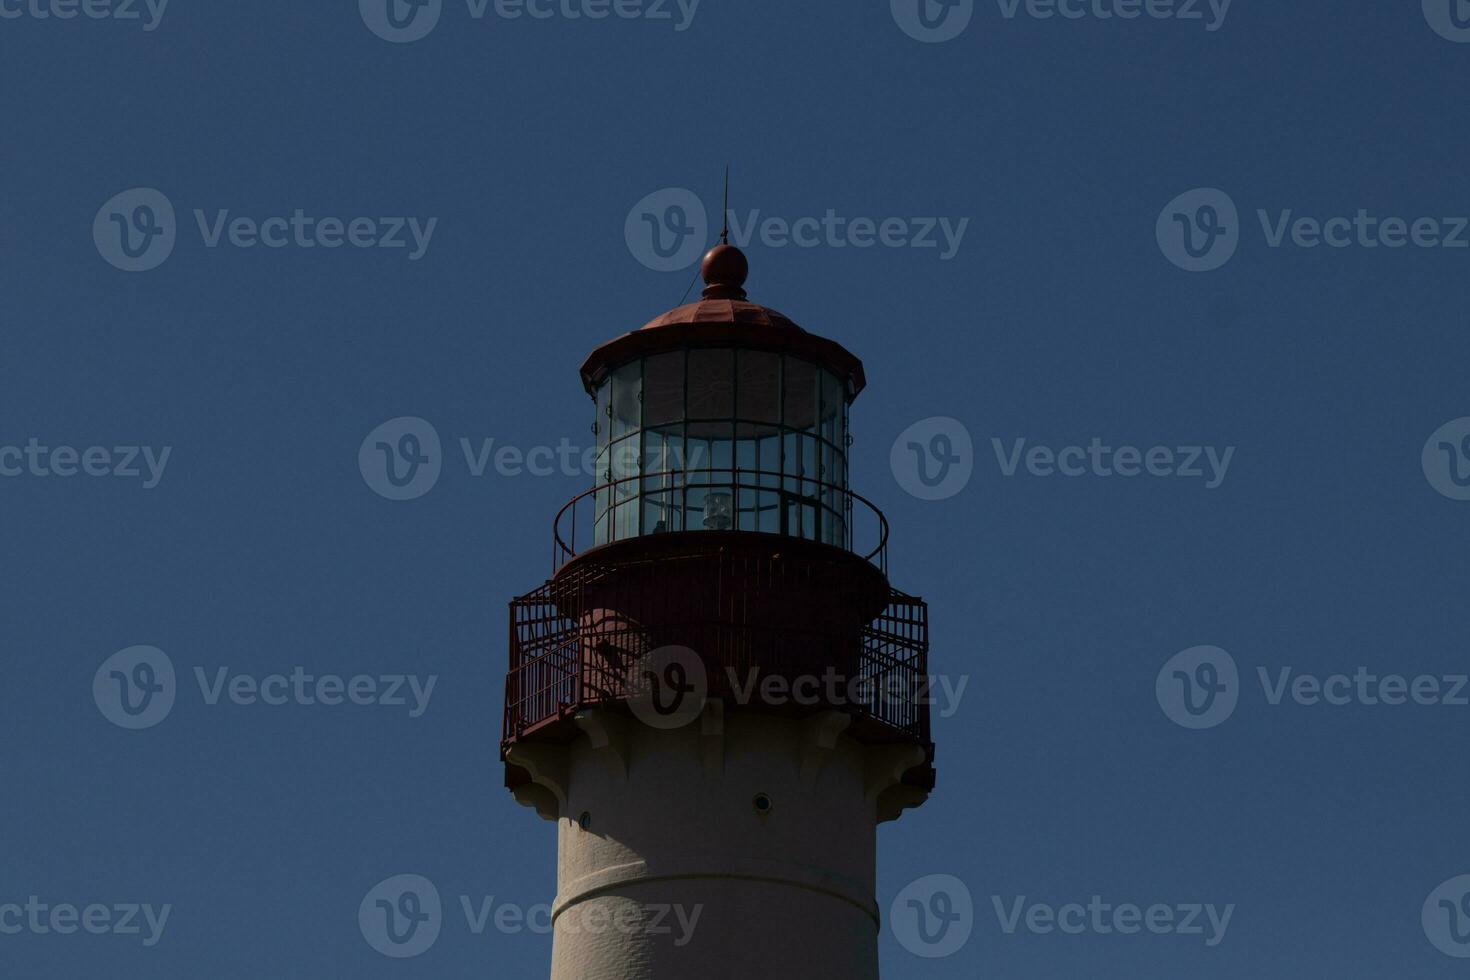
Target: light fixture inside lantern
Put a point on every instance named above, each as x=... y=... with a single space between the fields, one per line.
x=717 y=515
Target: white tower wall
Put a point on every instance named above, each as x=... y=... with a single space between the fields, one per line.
x=680 y=875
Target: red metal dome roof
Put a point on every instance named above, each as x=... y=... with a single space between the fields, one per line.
x=724 y=317
x=723 y=311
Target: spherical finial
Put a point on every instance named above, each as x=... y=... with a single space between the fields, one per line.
x=724 y=270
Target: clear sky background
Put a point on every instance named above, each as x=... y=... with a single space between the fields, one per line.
x=1059 y=319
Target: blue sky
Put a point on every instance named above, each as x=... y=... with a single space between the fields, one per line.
x=523 y=150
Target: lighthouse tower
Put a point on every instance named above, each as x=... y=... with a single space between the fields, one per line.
x=718 y=696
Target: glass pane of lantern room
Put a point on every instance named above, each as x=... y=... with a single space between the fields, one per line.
x=711 y=384
x=811 y=466
x=757 y=437
x=791 y=463
x=832 y=496
x=759 y=389
x=711 y=407
x=768 y=502
x=834 y=406
x=658 y=512
x=711 y=466
x=625 y=520
x=694 y=507
x=722 y=443
x=601 y=477
x=624 y=466
x=768 y=511
x=602 y=423
x=663 y=456
x=799 y=402
x=663 y=462
x=747 y=470
x=663 y=389
x=627 y=398
x=834 y=527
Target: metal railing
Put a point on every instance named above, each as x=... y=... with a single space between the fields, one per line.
x=568 y=651
x=764 y=501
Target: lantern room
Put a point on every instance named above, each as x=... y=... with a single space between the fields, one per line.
x=722 y=415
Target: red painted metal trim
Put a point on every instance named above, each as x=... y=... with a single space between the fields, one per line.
x=658 y=338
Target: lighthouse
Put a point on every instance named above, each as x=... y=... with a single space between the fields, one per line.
x=718 y=695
